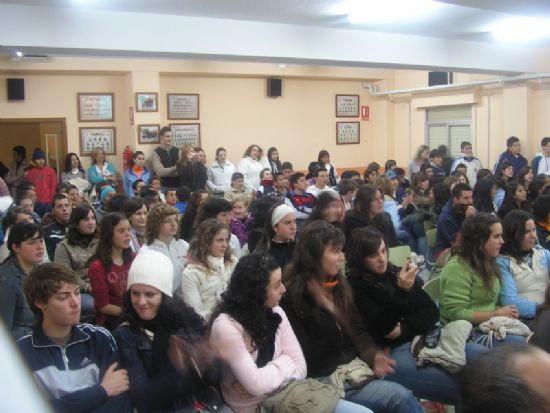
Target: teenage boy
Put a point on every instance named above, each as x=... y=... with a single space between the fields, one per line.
x=55 y=232
x=238 y=190
x=541 y=163
x=280 y=186
x=321 y=184
x=453 y=215
x=44 y=180
x=266 y=183
x=164 y=159
x=512 y=155
x=156 y=185
x=137 y=186
x=76 y=364
x=26 y=246
x=171 y=197
x=287 y=169
x=436 y=161
x=468 y=159
x=298 y=199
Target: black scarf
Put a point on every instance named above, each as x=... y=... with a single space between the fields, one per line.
x=267 y=349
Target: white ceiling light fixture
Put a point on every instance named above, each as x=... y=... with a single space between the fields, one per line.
x=521 y=29
x=19 y=53
x=388 y=11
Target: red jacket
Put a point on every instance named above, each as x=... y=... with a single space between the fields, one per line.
x=45 y=182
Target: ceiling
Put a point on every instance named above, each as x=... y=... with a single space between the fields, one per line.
x=452 y=19
x=455 y=35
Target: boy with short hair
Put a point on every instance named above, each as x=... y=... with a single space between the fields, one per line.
x=468 y=159
x=237 y=189
x=170 y=196
x=347 y=188
x=137 y=186
x=156 y=185
x=436 y=161
x=298 y=199
x=512 y=155
x=280 y=186
x=287 y=169
x=541 y=162
x=266 y=183
x=76 y=364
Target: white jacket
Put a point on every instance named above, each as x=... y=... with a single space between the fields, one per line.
x=202 y=287
x=219 y=178
x=251 y=170
x=177 y=252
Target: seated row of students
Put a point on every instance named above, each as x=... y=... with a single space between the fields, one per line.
x=333 y=320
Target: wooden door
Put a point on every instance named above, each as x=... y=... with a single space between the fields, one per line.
x=53 y=141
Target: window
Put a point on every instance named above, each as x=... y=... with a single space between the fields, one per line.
x=449 y=126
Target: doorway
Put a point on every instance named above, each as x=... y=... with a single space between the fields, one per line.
x=48 y=134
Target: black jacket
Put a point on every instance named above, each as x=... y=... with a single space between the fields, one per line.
x=355 y=219
x=54 y=233
x=155 y=386
x=382 y=304
x=193 y=175
x=325 y=343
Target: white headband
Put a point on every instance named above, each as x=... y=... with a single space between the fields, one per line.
x=279 y=213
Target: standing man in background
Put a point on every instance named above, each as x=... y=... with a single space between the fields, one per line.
x=468 y=159
x=164 y=159
x=16 y=173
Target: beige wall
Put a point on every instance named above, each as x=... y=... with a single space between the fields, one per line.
x=234 y=111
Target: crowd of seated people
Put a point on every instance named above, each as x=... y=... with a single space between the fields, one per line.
x=181 y=286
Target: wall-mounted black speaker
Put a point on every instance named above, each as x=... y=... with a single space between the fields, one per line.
x=440 y=78
x=16 y=89
x=274 y=87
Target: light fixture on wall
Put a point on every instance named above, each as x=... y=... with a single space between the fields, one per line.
x=521 y=29
x=376 y=11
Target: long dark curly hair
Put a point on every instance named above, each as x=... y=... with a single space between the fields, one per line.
x=244 y=299
x=173 y=316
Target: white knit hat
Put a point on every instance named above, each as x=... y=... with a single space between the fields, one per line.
x=152 y=268
x=279 y=213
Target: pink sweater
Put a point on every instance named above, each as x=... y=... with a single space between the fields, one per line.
x=234 y=346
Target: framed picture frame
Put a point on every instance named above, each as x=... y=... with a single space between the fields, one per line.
x=97 y=137
x=183 y=106
x=348 y=133
x=96 y=107
x=147 y=102
x=186 y=134
x=148 y=134
x=347 y=106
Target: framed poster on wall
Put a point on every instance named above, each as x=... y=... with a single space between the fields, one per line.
x=148 y=134
x=183 y=106
x=186 y=134
x=347 y=106
x=147 y=102
x=97 y=137
x=347 y=133
x=96 y=107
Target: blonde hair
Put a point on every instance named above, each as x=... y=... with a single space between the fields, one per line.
x=97 y=150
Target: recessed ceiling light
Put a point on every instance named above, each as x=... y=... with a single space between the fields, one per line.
x=521 y=29
x=19 y=53
x=377 y=11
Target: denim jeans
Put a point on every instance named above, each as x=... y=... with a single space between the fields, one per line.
x=87 y=308
x=385 y=396
x=509 y=339
x=344 y=406
x=428 y=382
